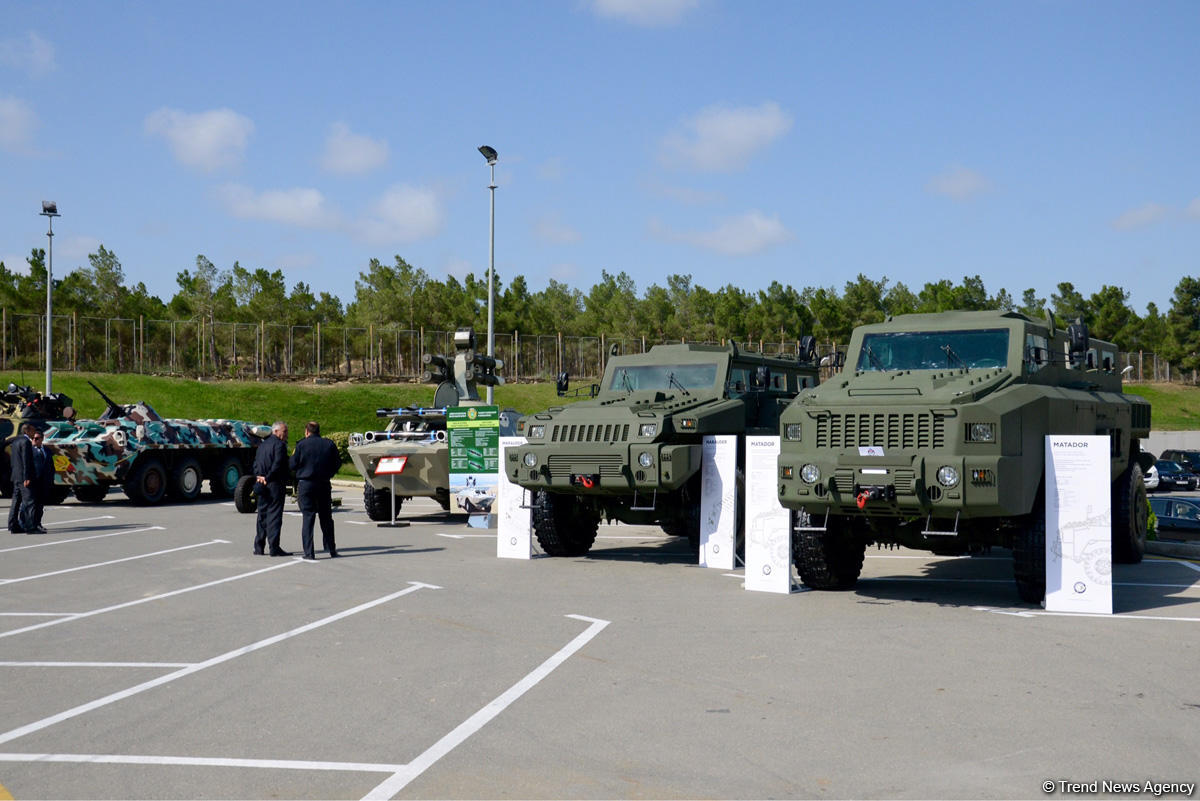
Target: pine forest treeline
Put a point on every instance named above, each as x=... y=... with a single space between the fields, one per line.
x=404 y=296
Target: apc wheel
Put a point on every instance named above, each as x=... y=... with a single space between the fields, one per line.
x=244 y=499
x=58 y=493
x=379 y=502
x=91 y=493
x=147 y=482
x=186 y=479
x=831 y=559
x=224 y=479
x=1130 y=515
x=1029 y=555
x=563 y=525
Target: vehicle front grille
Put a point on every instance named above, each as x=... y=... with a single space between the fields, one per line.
x=609 y=465
x=904 y=430
x=590 y=432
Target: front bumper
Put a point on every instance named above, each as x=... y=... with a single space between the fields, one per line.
x=614 y=470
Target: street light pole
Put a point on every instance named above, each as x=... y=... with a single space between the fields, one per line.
x=489 y=153
x=49 y=211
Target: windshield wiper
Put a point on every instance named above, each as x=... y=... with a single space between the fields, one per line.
x=625 y=382
x=952 y=357
x=875 y=360
x=672 y=381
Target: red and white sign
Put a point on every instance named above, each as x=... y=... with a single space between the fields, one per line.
x=391 y=465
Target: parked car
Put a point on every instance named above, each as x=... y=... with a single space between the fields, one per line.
x=1151 y=479
x=1188 y=460
x=1173 y=477
x=1177 y=514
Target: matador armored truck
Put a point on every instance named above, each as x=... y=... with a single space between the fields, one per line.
x=933 y=438
x=151 y=458
x=419 y=433
x=633 y=452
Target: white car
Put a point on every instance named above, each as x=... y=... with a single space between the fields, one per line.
x=1151 y=478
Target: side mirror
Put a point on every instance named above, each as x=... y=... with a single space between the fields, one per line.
x=560 y=385
x=1077 y=334
x=762 y=376
x=614 y=349
x=808 y=348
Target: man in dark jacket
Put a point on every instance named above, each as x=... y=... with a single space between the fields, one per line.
x=20 y=514
x=43 y=481
x=315 y=462
x=271 y=472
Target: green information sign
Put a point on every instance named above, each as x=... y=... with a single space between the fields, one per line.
x=473 y=434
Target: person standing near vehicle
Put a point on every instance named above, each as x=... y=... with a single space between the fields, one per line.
x=271 y=472
x=315 y=462
x=43 y=481
x=21 y=457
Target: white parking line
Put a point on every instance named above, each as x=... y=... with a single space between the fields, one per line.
x=127 y=604
x=1118 y=616
x=79 y=520
x=111 y=562
x=400 y=779
x=81 y=539
x=98 y=664
x=37 y=614
x=214 y=762
x=120 y=695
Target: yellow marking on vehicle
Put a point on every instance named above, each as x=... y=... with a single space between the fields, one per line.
x=5 y=795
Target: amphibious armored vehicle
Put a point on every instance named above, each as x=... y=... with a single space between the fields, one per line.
x=418 y=434
x=150 y=457
x=633 y=452
x=933 y=439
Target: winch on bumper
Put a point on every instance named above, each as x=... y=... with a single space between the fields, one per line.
x=897 y=485
x=614 y=470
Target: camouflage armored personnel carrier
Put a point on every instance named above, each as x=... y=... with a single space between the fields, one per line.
x=20 y=405
x=419 y=433
x=150 y=457
x=935 y=441
x=633 y=452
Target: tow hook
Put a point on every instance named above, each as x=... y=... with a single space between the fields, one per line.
x=587 y=482
x=864 y=494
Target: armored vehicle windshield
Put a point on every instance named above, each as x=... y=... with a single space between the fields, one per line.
x=933 y=350
x=636 y=377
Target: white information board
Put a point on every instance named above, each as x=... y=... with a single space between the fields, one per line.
x=718 y=501
x=514 y=530
x=768 y=538
x=1078 y=525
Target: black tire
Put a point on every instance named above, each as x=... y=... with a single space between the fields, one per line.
x=187 y=479
x=563 y=525
x=1029 y=554
x=58 y=493
x=244 y=499
x=91 y=493
x=379 y=502
x=1130 y=515
x=224 y=480
x=831 y=559
x=146 y=483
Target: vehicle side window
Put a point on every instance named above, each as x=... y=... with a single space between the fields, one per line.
x=1037 y=352
x=1185 y=511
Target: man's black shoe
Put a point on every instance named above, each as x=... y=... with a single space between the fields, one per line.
x=258 y=553
x=333 y=555
x=281 y=552
x=40 y=530
x=309 y=558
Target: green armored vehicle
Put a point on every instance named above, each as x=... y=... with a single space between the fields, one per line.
x=415 y=437
x=633 y=452
x=933 y=438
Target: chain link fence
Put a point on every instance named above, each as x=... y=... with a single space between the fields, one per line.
x=386 y=353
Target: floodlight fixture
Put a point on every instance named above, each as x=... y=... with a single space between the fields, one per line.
x=489 y=153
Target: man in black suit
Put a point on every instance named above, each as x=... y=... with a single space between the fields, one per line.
x=20 y=514
x=271 y=472
x=315 y=462
x=43 y=482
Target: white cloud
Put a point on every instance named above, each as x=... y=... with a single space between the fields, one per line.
x=959 y=183
x=1142 y=216
x=17 y=124
x=302 y=207
x=551 y=229
x=32 y=53
x=1193 y=209
x=348 y=153
x=646 y=13
x=742 y=235
x=209 y=140
x=722 y=139
x=403 y=214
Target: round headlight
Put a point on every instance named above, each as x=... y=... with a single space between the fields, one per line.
x=947 y=476
x=810 y=473
x=645 y=459
x=530 y=459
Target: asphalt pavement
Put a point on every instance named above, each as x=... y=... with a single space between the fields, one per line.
x=146 y=653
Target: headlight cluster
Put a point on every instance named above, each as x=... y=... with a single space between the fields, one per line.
x=947 y=476
x=647 y=429
x=537 y=431
x=810 y=473
x=792 y=432
x=981 y=432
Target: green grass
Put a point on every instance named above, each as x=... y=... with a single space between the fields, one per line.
x=1173 y=407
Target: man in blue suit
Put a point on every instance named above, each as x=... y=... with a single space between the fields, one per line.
x=271 y=473
x=315 y=462
x=20 y=514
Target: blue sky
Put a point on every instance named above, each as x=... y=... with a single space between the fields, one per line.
x=738 y=142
